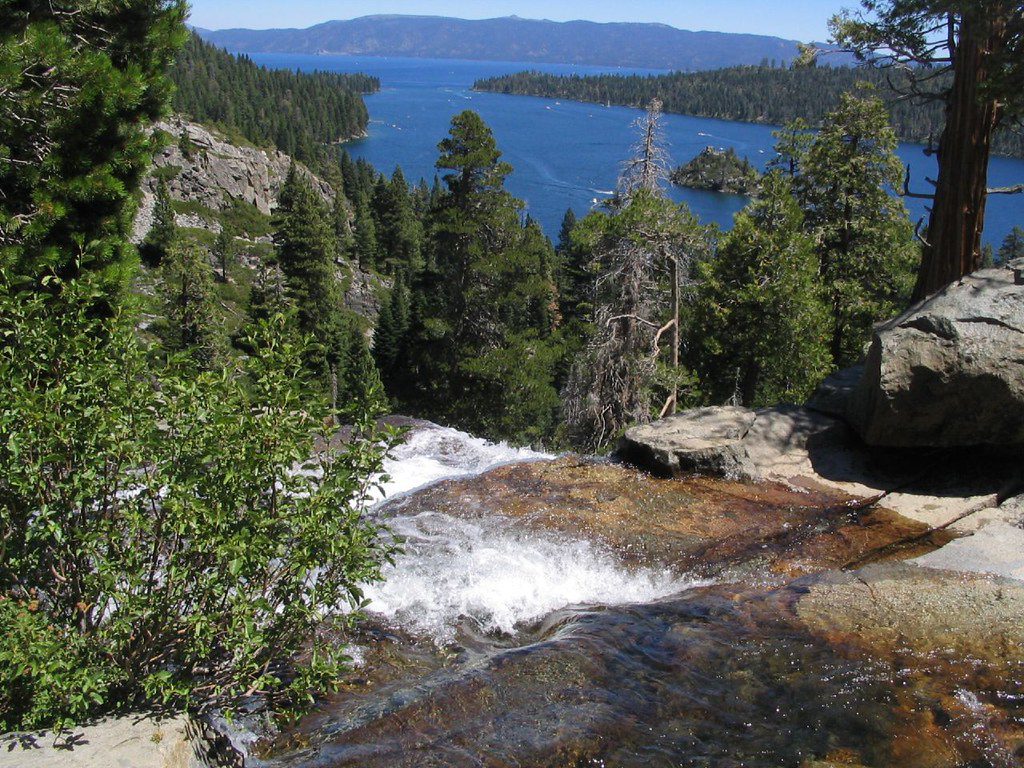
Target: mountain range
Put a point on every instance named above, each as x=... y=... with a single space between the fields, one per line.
x=653 y=46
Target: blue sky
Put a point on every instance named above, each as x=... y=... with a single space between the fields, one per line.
x=799 y=19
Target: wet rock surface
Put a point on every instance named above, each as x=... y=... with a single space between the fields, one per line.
x=881 y=665
x=718 y=676
x=701 y=525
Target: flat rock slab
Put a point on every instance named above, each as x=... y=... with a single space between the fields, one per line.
x=125 y=742
x=992 y=543
x=703 y=441
x=732 y=442
x=893 y=609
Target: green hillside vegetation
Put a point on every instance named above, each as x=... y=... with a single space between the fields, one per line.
x=762 y=94
x=299 y=113
x=159 y=550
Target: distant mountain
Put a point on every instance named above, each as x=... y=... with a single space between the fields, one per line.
x=654 y=46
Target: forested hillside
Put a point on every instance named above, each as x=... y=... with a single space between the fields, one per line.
x=761 y=94
x=296 y=112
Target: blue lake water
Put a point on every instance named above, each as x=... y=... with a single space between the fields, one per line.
x=567 y=154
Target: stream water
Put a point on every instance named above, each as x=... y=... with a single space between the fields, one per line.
x=557 y=611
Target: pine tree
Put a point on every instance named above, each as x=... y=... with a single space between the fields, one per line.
x=642 y=252
x=864 y=237
x=306 y=251
x=341 y=220
x=981 y=45
x=80 y=87
x=366 y=248
x=269 y=294
x=389 y=340
x=161 y=236
x=224 y=252
x=639 y=253
x=760 y=335
x=398 y=232
x=359 y=387
x=1012 y=247
x=192 y=325
x=485 y=295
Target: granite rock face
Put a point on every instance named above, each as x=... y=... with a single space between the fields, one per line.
x=949 y=372
x=204 y=168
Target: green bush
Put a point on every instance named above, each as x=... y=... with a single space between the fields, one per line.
x=168 y=537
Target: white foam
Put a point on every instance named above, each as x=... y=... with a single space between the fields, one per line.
x=433 y=453
x=499 y=577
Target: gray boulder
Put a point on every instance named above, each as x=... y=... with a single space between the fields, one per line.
x=733 y=442
x=949 y=372
x=703 y=440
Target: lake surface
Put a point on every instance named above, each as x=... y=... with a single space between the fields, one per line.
x=568 y=154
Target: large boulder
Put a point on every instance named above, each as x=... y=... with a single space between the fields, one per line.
x=727 y=441
x=950 y=371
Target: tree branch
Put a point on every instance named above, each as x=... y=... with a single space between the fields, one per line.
x=1016 y=190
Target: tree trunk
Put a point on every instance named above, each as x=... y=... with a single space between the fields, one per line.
x=674 y=359
x=958 y=213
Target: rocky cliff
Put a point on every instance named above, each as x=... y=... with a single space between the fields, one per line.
x=210 y=175
x=205 y=168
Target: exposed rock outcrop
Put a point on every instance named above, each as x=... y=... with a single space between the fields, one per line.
x=204 y=168
x=949 y=372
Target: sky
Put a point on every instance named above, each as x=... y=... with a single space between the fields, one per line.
x=797 y=19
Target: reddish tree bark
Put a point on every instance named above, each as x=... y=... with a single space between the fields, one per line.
x=953 y=247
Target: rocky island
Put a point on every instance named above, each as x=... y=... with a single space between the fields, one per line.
x=718 y=171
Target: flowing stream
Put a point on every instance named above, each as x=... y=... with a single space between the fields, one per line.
x=559 y=611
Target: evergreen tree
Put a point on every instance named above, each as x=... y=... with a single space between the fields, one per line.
x=161 y=236
x=349 y=175
x=642 y=252
x=389 y=341
x=1012 y=247
x=485 y=290
x=224 y=252
x=575 y=276
x=398 y=231
x=760 y=334
x=269 y=294
x=979 y=44
x=864 y=237
x=306 y=251
x=192 y=324
x=79 y=85
x=341 y=220
x=365 y=246
x=359 y=388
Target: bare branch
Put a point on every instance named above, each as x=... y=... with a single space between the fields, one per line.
x=913 y=195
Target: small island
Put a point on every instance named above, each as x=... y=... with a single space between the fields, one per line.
x=718 y=171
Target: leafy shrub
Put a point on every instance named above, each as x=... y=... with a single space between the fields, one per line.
x=168 y=537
